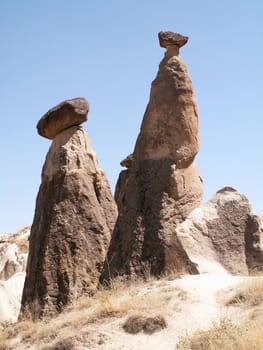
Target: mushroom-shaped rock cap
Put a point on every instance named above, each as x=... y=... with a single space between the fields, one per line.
x=66 y=114
x=169 y=38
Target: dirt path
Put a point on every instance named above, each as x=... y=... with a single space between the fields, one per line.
x=191 y=304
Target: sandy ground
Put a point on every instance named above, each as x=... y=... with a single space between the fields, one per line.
x=195 y=307
x=187 y=304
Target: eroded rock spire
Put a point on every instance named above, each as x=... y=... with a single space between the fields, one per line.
x=162 y=184
x=74 y=217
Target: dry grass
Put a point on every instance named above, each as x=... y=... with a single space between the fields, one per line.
x=228 y=335
x=247 y=294
x=225 y=336
x=145 y=305
x=118 y=301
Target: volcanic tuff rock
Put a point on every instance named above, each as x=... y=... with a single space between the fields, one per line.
x=162 y=184
x=66 y=114
x=170 y=124
x=13 y=257
x=223 y=235
x=254 y=243
x=74 y=217
x=13 y=253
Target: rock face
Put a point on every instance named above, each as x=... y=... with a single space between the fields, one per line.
x=74 y=218
x=170 y=125
x=10 y=296
x=68 y=113
x=223 y=235
x=254 y=243
x=13 y=257
x=13 y=253
x=162 y=184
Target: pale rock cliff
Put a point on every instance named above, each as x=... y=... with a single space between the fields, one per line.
x=13 y=257
x=223 y=235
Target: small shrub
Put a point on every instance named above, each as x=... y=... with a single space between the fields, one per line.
x=225 y=336
x=4 y=347
x=248 y=294
x=218 y=337
x=149 y=325
x=66 y=344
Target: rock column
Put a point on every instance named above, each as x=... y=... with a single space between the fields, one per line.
x=162 y=184
x=74 y=217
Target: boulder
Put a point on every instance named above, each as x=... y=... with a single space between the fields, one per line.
x=74 y=218
x=222 y=235
x=66 y=114
x=172 y=39
x=162 y=184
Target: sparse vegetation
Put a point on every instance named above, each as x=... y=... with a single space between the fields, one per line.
x=248 y=294
x=225 y=336
x=142 y=307
x=228 y=335
x=217 y=337
x=139 y=323
x=123 y=298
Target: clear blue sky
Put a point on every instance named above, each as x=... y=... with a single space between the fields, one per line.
x=108 y=52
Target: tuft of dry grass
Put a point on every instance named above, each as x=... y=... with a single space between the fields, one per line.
x=247 y=294
x=225 y=335
x=66 y=344
x=217 y=337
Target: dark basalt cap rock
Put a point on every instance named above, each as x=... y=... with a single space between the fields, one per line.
x=169 y=39
x=66 y=114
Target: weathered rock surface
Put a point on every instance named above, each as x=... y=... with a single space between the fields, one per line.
x=254 y=243
x=169 y=39
x=127 y=162
x=10 y=296
x=223 y=235
x=66 y=114
x=162 y=184
x=74 y=218
x=170 y=124
x=13 y=256
x=143 y=242
x=13 y=253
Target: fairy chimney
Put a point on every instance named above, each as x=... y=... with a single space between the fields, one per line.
x=74 y=216
x=161 y=184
